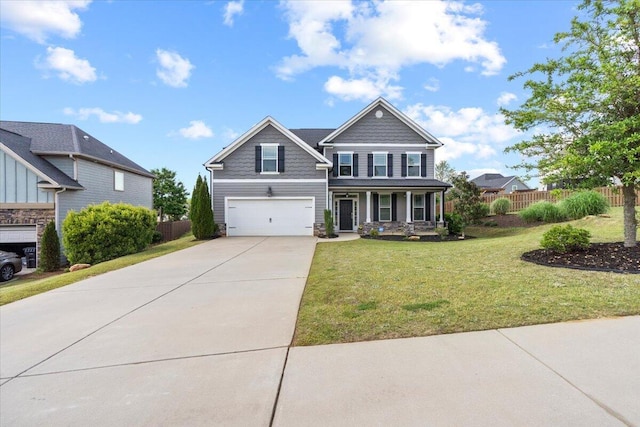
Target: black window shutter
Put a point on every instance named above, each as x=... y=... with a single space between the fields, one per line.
x=336 y=166
x=280 y=158
x=376 y=203
x=258 y=158
x=369 y=164
x=389 y=164
x=423 y=165
x=403 y=161
x=355 y=164
x=394 y=208
x=427 y=206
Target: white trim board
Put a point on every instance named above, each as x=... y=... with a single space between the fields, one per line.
x=271 y=181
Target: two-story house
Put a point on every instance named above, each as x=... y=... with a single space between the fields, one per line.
x=48 y=169
x=374 y=171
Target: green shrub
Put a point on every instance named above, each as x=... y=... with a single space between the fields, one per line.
x=442 y=232
x=374 y=232
x=50 y=249
x=454 y=222
x=328 y=223
x=157 y=237
x=584 y=203
x=565 y=239
x=542 y=211
x=102 y=232
x=481 y=210
x=501 y=206
x=201 y=214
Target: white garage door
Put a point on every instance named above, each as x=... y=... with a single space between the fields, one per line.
x=270 y=216
x=18 y=234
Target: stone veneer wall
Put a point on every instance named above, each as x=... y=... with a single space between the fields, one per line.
x=38 y=217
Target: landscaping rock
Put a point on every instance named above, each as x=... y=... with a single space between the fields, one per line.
x=77 y=267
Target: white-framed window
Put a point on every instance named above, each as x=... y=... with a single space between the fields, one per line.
x=514 y=187
x=384 y=207
x=118 y=181
x=345 y=164
x=379 y=164
x=413 y=164
x=418 y=207
x=270 y=158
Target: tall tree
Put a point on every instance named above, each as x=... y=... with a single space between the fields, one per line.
x=201 y=214
x=584 y=107
x=445 y=172
x=169 y=195
x=194 y=209
x=467 y=200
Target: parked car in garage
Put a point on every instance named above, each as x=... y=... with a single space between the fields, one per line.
x=10 y=264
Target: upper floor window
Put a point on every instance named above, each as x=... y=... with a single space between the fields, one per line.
x=118 y=181
x=413 y=164
x=379 y=164
x=269 y=158
x=345 y=164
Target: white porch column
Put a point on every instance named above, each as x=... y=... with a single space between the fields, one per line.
x=408 y=206
x=330 y=203
x=368 y=206
x=442 y=207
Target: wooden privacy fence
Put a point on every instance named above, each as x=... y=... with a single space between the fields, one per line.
x=171 y=230
x=521 y=200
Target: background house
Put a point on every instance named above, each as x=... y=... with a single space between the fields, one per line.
x=497 y=183
x=48 y=169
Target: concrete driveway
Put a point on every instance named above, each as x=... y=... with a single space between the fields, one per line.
x=198 y=337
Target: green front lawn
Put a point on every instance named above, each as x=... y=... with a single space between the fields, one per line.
x=369 y=290
x=35 y=283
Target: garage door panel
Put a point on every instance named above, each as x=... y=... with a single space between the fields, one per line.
x=17 y=234
x=270 y=217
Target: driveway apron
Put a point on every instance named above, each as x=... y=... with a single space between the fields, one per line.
x=197 y=337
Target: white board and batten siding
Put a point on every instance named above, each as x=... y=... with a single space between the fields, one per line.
x=270 y=216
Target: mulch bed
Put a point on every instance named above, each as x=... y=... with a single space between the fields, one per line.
x=613 y=257
x=428 y=238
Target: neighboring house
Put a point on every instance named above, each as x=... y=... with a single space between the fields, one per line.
x=496 y=183
x=48 y=169
x=374 y=171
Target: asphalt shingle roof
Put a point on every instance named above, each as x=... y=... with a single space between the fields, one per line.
x=20 y=145
x=492 y=180
x=56 y=138
x=312 y=136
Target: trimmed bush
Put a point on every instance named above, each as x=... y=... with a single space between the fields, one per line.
x=501 y=206
x=50 y=249
x=542 y=211
x=201 y=214
x=565 y=239
x=328 y=223
x=102 y=232
x=454 y=221
x=584 y=203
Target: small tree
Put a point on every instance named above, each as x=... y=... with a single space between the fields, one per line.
x=202 y=221
x=445 y=172
x=50 y=248
x=169 y=195
x=328 y=223
x=468 y=203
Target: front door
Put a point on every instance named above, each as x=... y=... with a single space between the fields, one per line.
x=346 y=215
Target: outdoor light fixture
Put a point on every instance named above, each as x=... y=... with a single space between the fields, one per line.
x=269 y=192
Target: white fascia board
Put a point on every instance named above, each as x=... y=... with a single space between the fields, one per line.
x=215 y=166
x=28 y=165
x=321 y=166
x=431 y=140
x=257 y=128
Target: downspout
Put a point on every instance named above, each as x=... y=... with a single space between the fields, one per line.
x=56 y=213
x=75 y=167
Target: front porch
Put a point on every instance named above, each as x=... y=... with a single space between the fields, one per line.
x=387 y=211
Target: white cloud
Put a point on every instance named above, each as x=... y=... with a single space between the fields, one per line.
x=505 y=98
x=197 y=129
x=230 y=135
x=361 y=89
x=232 y=9
x=433 y=85
x=37 y=19
x=374 y=40
x=103 y=116
x=174 y=70
x=68 y=66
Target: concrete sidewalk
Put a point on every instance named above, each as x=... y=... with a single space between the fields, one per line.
x=566 y=374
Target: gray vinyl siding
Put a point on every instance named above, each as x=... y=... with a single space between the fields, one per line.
x=283 y=189
x=401 y=204
x=98 y=181
x=299 y=164
x=65 y=164
x=385 y=130
x=397 y=158
x=19 y=184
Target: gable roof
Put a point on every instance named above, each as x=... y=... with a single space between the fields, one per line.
x=18 y=147
x=493 y=180
x=61 y=139
x=431 y=140
x=255 y=130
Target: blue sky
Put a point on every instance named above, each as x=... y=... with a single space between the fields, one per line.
x=169 y=83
